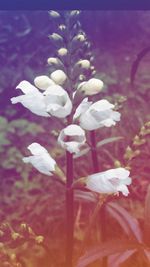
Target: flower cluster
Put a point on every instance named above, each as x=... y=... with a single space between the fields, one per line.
x=56 y=94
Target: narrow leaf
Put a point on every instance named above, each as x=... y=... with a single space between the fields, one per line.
x=129 y=224
x=116 y=259
x=106 y=249
x=147 y=217
x=109 y=140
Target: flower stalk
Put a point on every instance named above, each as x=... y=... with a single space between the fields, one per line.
x=69 y=209
x=94 y=152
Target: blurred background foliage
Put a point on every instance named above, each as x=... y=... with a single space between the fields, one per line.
x=27 y=196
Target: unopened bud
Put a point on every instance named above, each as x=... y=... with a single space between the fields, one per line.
x=62 y=27
x=83 y=64
x=55 y=37
x=54 y=61
x=91 y=87
x=79 y=37
x=74 y=13
x=62 y=52
x=39 y=239
x=43 y=82
x=54 y=14
x=15 y=235
x=59 y=77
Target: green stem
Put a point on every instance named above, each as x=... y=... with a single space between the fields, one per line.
x=103 y=211
x=94 y=152
x=91 y=223
x=69 y=210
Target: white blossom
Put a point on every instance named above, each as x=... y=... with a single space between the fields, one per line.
x=96 y=115
x=32 y=99
x=72 y=138
x=59 y=77
x=57 y=101
x=40 y=159
x=109 y=182
x=91 y=87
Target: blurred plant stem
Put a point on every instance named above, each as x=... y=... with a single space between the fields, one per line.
x=91 y=222
x=69 y=210
x=102 y=210
x=93 y=151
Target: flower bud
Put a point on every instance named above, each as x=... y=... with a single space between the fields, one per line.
x=59 y=77
x=43 y=82
x=62 y=52
x=39 y=239
x=55 y=37
x=79 y=37
x=91 y=87
x=54 y=61
x=74 y=13
x=54 y=14
x=85 y=64
x=82 y=77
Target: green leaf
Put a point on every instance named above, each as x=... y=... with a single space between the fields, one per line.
x=99 y=144
x=106 y=249
x=129 y=224
x=109 y=140
x=147 y=217
x=118 y=258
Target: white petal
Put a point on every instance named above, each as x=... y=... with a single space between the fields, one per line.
x=110 y=181
x=73 y=130
x=27 y=88
x=57 y=101
x=123 y=189
x=41 y=159
x=76 y=138
x=82 y=108
x=37 y=149
x=102 y=105
x=34 y=102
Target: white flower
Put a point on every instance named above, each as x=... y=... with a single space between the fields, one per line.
x=97 y=115
x=72 y=138
x=59 y=77
x=41 y=159
x=109 y=182
x=32 y=99
x=91 y=87
x=57 y=101
x=43 y=82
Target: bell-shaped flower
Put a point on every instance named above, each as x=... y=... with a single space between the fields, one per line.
x=96 y=115
x=32 y=99
x=91 y=87
x=72 y=138
x=59 y=77
x=57 y=101
x=111 y=181
x=40 y=159
x=43 y=82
